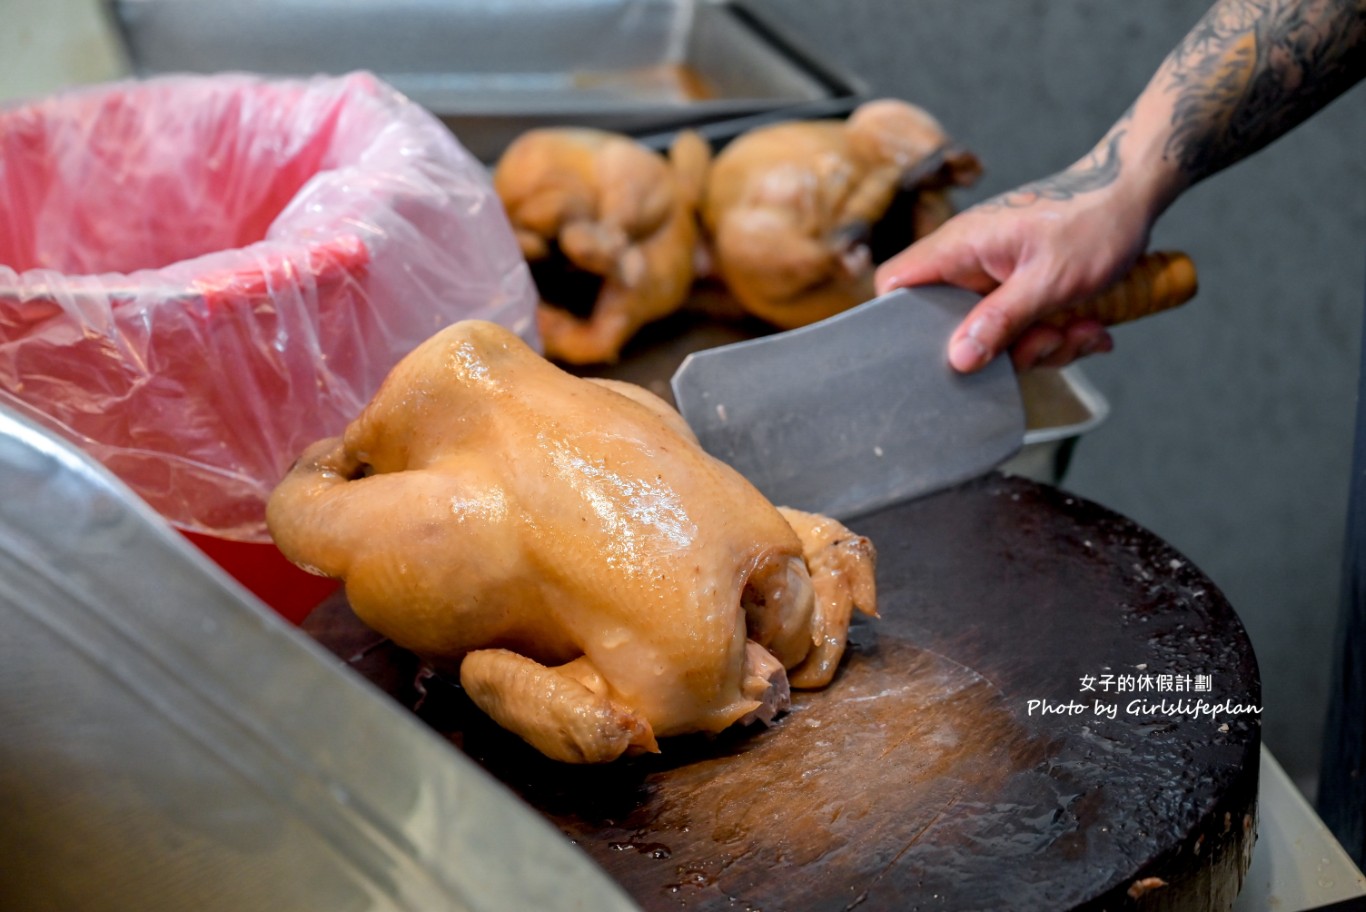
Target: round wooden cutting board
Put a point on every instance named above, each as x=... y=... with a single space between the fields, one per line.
x=928 y=776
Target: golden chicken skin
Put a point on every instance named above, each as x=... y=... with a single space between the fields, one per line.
x=596 y=578
x=609 y=228
x=799 y=213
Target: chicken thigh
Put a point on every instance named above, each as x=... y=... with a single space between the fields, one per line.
x=609 y=228
x=596 y=578
x=799 y=213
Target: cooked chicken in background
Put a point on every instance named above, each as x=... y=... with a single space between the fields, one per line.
x=598 y=579
x=799 y=213
x=609 y=228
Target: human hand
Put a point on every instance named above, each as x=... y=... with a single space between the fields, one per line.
x=1033 y=252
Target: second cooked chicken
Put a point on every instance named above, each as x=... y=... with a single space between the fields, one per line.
x=799 y=213
x=597 y=579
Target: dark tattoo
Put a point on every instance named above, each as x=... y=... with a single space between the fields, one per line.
x=1097 y=170
x=1252 y=69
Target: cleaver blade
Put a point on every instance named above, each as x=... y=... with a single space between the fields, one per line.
x=858 y=411
x=862 y=410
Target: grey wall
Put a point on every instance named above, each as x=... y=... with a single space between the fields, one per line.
x=1231 y=426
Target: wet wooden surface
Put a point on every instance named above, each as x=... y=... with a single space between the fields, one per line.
x=921 y=779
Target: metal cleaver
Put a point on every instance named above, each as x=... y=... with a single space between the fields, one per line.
x=862 y=410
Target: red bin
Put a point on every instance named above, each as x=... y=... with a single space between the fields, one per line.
x=201 y=275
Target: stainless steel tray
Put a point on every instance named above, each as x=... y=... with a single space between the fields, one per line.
x=494 y=70
x=1060 y=406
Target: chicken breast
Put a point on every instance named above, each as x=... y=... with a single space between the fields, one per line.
x=596 y=578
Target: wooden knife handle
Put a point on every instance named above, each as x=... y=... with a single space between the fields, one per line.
x=1157 y=282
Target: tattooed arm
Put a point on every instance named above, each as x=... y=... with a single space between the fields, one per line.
x=1248 y=72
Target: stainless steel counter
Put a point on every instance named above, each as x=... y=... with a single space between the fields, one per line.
x=1297 y=865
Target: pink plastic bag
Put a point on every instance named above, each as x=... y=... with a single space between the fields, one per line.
x=202 y=275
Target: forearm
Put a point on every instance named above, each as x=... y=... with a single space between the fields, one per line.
x=1252 y=70
x=1248 y=72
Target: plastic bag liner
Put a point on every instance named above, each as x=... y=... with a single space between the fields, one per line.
x=204 y=274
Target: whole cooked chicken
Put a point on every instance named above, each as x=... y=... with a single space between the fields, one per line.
x=799 y=213
x=609 y=228
x=598 y=580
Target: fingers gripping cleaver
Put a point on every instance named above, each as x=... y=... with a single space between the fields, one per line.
x=862 y=410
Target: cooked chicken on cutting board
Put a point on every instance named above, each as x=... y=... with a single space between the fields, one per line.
x=795 y=211
x=596 y=578
x=609 y=228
